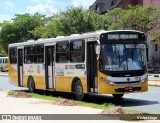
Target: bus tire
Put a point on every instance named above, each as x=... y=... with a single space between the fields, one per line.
x=117 y=96
x=1 y=69
x=31 y=84
x=79 y=90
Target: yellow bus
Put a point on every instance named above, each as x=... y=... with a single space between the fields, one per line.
x=4 y=64
x=101 y=62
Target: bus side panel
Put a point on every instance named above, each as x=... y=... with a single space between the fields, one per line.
x=37 y=71
x=65 y=74
x=40 y=82
x=25 y=80
x=13 y=73
x=64 y=84
x=5 y=68
x=105 y=88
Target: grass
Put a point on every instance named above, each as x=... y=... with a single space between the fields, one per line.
x=133 y=111
x=93 y=105
x=51 y=98
x=10 y=93
x=79 y=103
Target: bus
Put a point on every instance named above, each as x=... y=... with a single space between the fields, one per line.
x=3 y=64
x=100 y=62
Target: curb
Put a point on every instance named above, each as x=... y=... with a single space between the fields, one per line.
x=3 y=74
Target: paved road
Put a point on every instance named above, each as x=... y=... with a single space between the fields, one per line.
x=5 y=85
x=146 y=102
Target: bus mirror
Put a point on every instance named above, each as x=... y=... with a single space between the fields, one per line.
x=98 y=49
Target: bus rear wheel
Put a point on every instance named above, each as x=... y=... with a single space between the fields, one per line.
x=79 y=90
x=31 y=85
x=117 y=96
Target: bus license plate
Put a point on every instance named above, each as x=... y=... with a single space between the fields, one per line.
x=128 y=88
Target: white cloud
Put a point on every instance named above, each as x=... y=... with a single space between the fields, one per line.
x=5 y=17
x=9 y=5
x=84 y=3
x=44 y=1
x=43 y=9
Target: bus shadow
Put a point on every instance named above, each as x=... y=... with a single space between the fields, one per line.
x=124 y=102
x=101 y=99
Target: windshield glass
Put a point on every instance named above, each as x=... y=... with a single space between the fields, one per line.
x=122 y=57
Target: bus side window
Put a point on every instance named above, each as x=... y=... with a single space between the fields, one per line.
x=13 y=55
x=62 y=52
x=39 y=54
x=28 y=54
x=77 y=51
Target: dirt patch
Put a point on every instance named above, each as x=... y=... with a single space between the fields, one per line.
x=115 y=110
x=65 y=102
x=20 y=94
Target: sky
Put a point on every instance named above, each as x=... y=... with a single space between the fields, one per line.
x=8 y=8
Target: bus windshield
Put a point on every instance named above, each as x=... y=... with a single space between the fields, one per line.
x=122 y=57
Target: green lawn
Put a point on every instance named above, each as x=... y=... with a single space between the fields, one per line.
x=79 y=103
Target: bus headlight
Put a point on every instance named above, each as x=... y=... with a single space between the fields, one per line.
x=144 y=80
x=107 y=81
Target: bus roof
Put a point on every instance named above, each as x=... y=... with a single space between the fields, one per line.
x=65 y=38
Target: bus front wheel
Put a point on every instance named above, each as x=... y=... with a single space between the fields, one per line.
x=117 y=96
x=31 y=84
x=79 y=90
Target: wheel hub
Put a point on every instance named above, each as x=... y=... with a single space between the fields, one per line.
x=79 y=90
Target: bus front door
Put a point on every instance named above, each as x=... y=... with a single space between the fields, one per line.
x=20 y=67
x=49 y=59
x=92 y=67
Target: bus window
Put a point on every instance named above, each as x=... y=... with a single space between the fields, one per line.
x=6 y=61
x=39 y=54
x=13 y=55
x=77 y=49
x=28 y=54
x=62 y=51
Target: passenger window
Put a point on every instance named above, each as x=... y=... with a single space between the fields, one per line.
x=39 y=54
x=62 y=51
x=77 y=51
x=28 y=54
x=13 y=55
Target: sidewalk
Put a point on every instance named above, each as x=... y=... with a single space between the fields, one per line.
x=153 y=83
x=3 y=73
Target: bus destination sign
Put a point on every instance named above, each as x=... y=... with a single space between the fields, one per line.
x=122 y=36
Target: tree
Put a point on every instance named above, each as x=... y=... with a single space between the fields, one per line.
x=19 y=30
x=71 y=21
x=78 y=20
x=140 y=18
x=46 y=31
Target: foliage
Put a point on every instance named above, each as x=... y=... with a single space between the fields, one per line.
x=19 y=29
x=140 y=18
x=71 y=21
x=78 y=20
x=47 y=31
